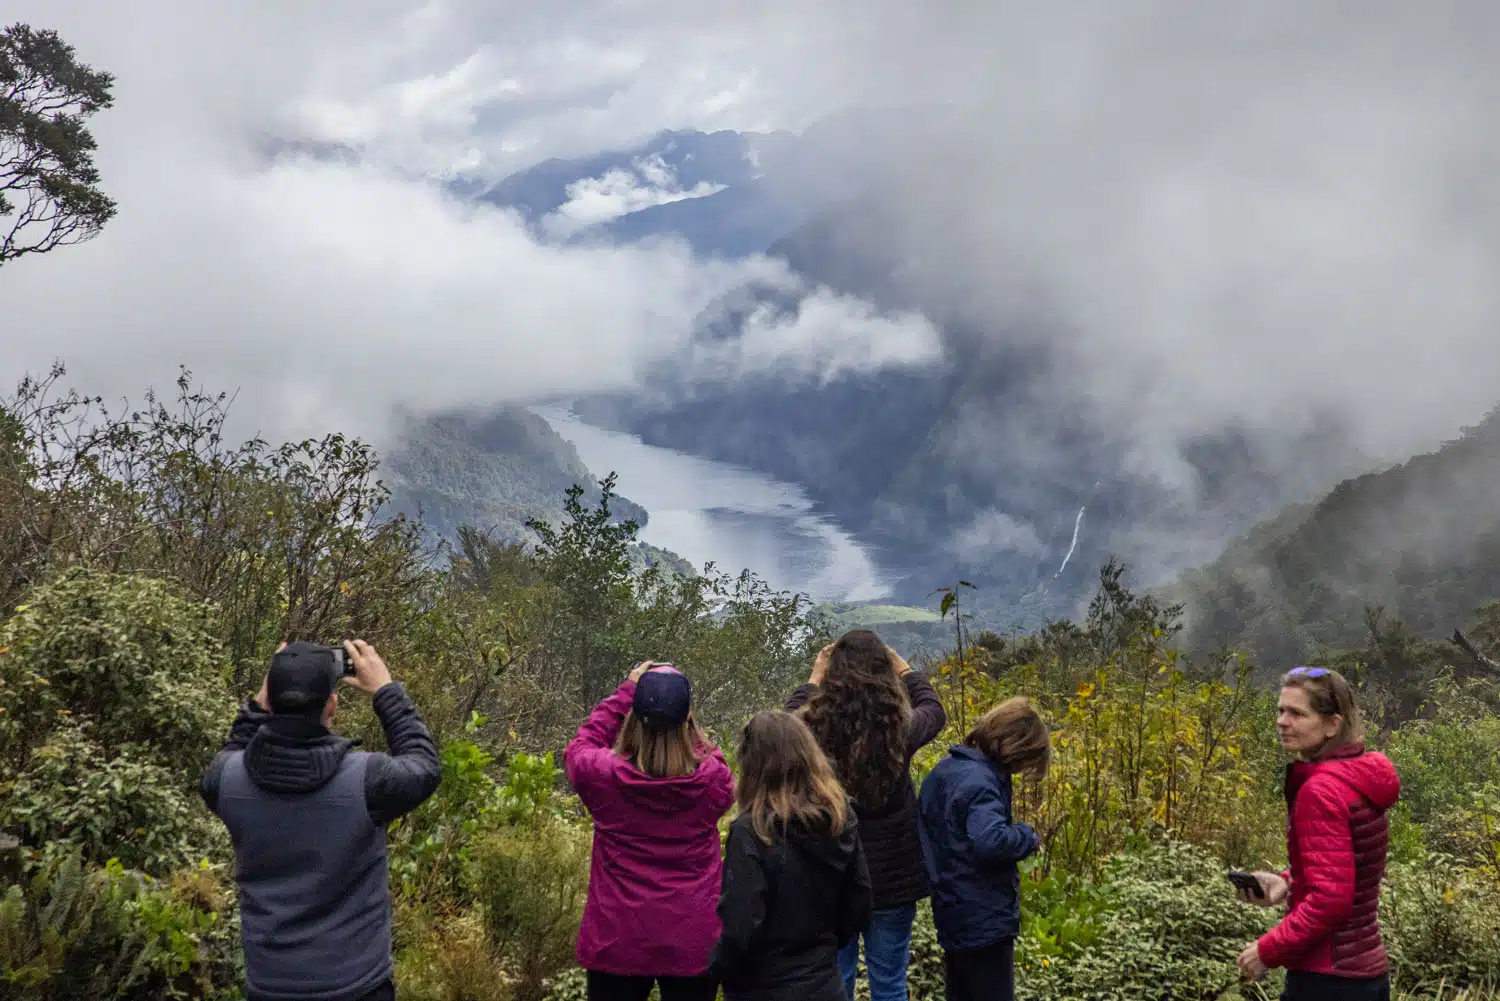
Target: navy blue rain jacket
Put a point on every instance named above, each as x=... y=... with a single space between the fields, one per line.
x=971 y=846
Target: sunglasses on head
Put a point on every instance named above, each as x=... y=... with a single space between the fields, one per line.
x=1307 y=672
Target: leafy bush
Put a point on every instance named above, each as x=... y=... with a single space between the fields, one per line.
x=443 y=955
x=1172 y=931
x=112 y=933
x=531 y=880
x=430 y=854
x=1450 y=783
x=1063 y=915
x=112 y=699
x=1441 y=923
x=71 y=794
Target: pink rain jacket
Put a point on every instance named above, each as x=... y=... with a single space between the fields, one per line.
x=654 y=876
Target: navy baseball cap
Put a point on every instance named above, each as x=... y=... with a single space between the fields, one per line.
x=301 y=679
x=663 y=698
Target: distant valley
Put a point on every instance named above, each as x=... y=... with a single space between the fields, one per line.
x=984 y=466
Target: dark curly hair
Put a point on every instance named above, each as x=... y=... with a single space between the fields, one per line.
x=860 y=716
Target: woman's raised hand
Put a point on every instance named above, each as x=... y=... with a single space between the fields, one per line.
x=899 y=663
x=820 y=665
x=640 y=669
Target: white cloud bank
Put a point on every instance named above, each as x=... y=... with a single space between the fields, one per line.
x=327 y=291
x=1257 y=215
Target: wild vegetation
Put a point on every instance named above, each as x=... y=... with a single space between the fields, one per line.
x=149 y=565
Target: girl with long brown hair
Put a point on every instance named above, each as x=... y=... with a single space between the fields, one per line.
x=1337 y=795
x=656 y=789
x=871 y=713
x=795 y=883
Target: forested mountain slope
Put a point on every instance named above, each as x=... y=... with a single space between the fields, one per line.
x=1421 y=539
x=492 y=469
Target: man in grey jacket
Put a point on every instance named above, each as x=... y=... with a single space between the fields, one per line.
x=308 y=816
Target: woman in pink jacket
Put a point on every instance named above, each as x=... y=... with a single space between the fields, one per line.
x=656 y=789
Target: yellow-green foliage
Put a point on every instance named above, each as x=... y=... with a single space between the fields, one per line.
x=531 y=879
x=1139 y=746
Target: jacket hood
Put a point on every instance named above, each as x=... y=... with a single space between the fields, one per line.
x=667 y=795
x=837 y=853
x=1368 y=773
x=967 y=753
x=289 y=755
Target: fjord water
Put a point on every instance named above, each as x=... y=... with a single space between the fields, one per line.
x=735 y=517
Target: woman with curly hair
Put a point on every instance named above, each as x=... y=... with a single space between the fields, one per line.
x=871 y=713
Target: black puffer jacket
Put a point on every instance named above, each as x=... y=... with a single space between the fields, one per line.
x=787 y=908
x=893 y=847
x=288 y=754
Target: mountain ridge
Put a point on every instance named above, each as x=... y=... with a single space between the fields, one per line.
x=1419 y=539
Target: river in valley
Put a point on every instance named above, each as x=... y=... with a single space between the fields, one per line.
x=736 y=518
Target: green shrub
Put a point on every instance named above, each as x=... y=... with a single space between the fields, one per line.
x=1063 y=915
x=531 y=880
x=1169 y=928
x=111 y=933
x=572 y=984
x=430 y=855
x=442 y=955
x=1441 y=923
x=112 y=699
x=136 y=810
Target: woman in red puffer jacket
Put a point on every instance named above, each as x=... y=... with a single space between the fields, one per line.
x=1337 y=795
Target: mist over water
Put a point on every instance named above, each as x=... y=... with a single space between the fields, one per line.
x=736 y=518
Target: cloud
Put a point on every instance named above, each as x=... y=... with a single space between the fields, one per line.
x=326 y=289
x=822 y=335
x=1265 y=218
x=994 y=534
x=593 y=200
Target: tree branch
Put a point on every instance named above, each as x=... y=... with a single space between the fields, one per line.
x=1486 y=664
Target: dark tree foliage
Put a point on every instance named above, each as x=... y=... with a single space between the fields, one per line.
x=49 y=186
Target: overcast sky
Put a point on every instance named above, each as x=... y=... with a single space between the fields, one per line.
x=1250 y=212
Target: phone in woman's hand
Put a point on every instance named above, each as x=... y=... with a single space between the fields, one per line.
x=1247 y=881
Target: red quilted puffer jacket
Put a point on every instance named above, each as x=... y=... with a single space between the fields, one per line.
x=1336 y=840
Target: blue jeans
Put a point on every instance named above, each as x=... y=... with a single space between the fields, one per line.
x=887 y=951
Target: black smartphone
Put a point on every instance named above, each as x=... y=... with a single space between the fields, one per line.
x=343 y=667
x=1247 y=881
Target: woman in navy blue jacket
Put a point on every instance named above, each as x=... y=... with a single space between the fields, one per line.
x=971 y=844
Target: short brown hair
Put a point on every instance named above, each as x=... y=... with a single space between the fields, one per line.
x=1329 y=694
x=785 y=777
x=662 y=754
x=1014 y=737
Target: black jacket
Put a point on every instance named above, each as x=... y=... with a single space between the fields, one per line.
x=786 y=909
x=287 y=754
x=893 y=849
